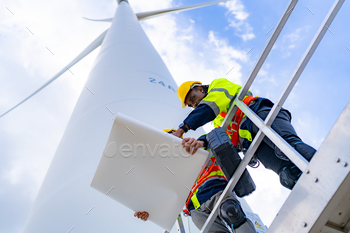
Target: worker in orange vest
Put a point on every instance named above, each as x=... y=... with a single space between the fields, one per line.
x=203 y=196
x=211 y=103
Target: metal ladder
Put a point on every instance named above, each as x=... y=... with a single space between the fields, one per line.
x=335 y=187
x=320 y=201
x=179 y=225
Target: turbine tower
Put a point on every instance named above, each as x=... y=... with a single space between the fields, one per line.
x=128 y=76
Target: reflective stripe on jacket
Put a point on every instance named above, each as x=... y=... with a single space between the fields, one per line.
x=210 y=172
x=221 y=92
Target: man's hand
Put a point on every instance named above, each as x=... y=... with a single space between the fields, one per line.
x=178 y=133
x=143 y=215
x=191 y=144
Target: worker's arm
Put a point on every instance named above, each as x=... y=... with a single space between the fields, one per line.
x=201 y=115
x=179 y=132
x=143 y=215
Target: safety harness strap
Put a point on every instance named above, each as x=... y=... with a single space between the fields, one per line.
x=233 y=128
x=212 y=171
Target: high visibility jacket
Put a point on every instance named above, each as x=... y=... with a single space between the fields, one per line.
x=212 y=171
x=221 y=92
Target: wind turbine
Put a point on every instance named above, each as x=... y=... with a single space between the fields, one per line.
x=129 y=77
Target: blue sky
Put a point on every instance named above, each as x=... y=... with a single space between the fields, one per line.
x=39 y=38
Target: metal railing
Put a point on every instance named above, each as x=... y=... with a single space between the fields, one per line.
x=265 y=126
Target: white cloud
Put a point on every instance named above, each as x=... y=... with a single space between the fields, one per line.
x=291 y=41
x=237 y=17
x=31 y=133
x=190 y=57
x=32 y=64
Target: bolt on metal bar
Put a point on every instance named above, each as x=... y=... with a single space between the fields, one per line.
x=260 y=61
x=233 y=181
x=180 y=225
x=289 y=151
x=304 y=60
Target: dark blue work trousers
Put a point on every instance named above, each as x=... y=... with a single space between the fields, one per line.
x=268 y=154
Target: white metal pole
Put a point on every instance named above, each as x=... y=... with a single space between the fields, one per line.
x=260 y=60
x=234 y=179
x=180 y=224
x=287 y=149
x=304 y=60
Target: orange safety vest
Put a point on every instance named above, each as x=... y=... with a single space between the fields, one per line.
x=236 y=120
x=212 y=171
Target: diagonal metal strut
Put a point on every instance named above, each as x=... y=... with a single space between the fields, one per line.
x=265 y=127
x=233 y=109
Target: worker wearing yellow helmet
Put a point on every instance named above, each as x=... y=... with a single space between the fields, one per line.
x=211 y=103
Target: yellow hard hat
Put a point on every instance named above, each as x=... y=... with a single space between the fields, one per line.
x=183 y=90
x=169 y=130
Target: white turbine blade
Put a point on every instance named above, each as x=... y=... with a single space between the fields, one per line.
x=100 y=20
x=97 y=42
x=151 y=14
